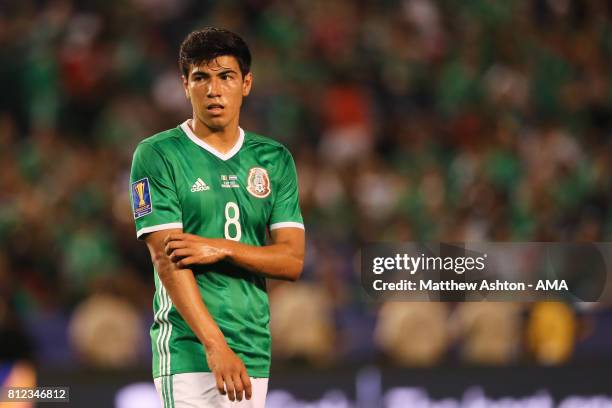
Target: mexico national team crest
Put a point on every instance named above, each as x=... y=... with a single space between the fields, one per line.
x=258 y=182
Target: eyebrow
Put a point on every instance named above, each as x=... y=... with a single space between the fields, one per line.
x=197 y=71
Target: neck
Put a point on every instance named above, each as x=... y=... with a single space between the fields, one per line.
x=222 y=139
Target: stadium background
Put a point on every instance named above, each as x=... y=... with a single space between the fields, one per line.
x=409 y=120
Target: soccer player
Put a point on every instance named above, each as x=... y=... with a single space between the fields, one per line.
x=218 y=209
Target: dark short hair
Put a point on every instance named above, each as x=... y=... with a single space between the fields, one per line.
x=205 y=45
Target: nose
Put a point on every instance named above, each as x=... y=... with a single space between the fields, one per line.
x=214 y=88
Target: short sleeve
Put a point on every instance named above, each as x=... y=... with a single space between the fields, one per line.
x=286 y=210
x=153 y=195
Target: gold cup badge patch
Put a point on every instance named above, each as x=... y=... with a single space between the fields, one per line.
x=141 y=198
x=258 y=182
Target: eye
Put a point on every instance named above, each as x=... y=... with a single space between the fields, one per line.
x=225 y=77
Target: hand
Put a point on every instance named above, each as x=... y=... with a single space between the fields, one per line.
x=188 y=249
x=229 y=371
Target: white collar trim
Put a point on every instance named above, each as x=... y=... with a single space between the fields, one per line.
x=223 y=156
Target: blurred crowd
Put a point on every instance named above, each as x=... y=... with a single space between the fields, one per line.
x=409 y=120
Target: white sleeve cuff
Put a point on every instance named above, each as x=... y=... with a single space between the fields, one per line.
x=159 y=227
x=286 y=225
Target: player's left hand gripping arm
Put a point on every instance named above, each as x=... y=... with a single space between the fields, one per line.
x=282 y=259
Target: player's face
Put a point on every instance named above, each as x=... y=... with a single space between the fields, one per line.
x=216 y=89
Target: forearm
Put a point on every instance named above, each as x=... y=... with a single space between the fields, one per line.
x=183 y=290
x=276 y=261
x=282 y=259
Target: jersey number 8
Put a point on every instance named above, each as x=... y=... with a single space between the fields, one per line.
x=232 y=219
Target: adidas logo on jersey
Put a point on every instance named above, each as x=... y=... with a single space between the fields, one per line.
x=199 y=185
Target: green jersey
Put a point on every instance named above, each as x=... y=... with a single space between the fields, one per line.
x=179 y=181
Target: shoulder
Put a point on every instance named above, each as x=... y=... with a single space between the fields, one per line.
x=161 y=141
x=158 y=151
x=159 y=148
x=265 y=145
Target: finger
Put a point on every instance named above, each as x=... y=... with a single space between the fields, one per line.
x=246 y=381
x=229 y=387
x=220 y=385
x=170 y=246
x=178 y=254
x=178 y=236
x=186 y=262
x=238 y=386
x=177 y=244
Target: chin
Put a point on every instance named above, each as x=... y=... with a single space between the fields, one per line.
x=216 y=123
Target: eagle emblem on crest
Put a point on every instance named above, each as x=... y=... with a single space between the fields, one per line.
x=258 y=182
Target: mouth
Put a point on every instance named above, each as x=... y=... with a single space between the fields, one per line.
x=214 y=108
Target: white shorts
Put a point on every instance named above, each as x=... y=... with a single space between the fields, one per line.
x=196 y=390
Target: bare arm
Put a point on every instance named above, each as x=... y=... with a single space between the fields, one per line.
x=282 y=259
x=183 y=290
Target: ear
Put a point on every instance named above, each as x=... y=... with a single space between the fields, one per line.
x=185 y=86
x=247 y=83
